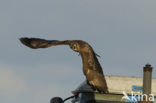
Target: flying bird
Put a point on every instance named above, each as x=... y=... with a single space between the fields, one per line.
x=91 y=66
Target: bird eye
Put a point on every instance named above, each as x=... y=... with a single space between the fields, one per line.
x=74 y=46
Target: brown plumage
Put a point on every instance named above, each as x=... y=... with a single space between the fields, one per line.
x=91 y=66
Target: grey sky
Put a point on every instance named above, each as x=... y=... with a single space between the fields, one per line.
x=122 y=32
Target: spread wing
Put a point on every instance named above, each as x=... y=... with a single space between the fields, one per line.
x=92 y=67
x=36 y=43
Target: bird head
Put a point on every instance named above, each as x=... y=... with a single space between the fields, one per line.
x=79 y=46
x=75 y=46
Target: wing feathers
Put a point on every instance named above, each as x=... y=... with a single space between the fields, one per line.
x=36 y=43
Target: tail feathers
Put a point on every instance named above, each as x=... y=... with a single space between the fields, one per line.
x=100 y=89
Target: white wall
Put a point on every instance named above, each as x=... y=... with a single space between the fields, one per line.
x=123 y=83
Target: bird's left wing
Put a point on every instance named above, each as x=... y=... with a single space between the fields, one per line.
x=36 y=43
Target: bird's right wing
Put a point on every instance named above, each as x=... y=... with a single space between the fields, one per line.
x=36 y=43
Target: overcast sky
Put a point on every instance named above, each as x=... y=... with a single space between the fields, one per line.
x=122 y=32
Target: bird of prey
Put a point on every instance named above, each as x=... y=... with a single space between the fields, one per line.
x=91 y=66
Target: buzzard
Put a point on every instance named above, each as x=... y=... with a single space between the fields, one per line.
x=91 y=66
